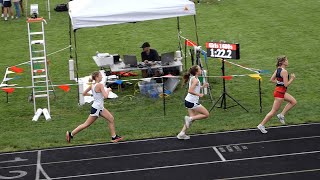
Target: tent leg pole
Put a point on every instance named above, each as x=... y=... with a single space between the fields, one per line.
x=76 y=56
x=185 y=55
x=196 y=28
x=178 y=26
x=70 y=39
x=164 y=99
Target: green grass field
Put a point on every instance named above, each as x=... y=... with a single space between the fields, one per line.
x=264 y=29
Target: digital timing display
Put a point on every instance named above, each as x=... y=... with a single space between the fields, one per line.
x=223 y=50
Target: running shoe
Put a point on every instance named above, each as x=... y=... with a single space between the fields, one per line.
x=188 y=121
x=183 y=136
x=68 y=136
x=281 y=118
x=262 y=129
x=116 y=139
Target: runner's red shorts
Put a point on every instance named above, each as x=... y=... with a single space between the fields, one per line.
x=279 y=92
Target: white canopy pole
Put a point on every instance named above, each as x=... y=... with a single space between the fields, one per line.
x=26 y=8
x=49 y=12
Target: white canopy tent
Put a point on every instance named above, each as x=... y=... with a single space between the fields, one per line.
x=94 y=13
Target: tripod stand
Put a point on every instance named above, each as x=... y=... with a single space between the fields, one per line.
x=199 y=63
x=225 y=94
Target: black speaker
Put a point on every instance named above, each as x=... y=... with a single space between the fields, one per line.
x=116 y=58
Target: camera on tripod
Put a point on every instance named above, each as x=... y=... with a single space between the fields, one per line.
x=34 y=12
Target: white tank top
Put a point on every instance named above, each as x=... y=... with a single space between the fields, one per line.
x=97 y=98
x=190 y=97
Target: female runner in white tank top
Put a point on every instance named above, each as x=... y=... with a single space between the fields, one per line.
x=195 y=110
x=97 y=109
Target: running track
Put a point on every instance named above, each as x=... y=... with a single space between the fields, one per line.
x=286 y=152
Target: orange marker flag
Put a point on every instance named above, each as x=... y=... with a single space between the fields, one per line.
x=39 y=71
x=65 y=87
x=190 y=43
x=16 y=69
x=8 y=90
x=227 y=77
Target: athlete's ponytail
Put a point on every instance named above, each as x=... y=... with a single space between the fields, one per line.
x=192 y=71
x=186 y=77
x=94 y=75
x=280 y=60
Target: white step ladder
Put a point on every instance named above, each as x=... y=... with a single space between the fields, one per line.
x=38 y=61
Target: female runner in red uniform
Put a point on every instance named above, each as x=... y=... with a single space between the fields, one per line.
x=281 y=78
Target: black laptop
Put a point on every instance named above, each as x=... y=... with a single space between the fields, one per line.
x=167 y=58
x=130 y=60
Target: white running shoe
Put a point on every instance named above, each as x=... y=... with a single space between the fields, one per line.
x=2 y=15
x=281 y=118
x=6 y=19
x=183 y=136
x=187 y=121
x=262 y=129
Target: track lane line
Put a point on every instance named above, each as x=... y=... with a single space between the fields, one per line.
x=185 y=165
x=160 y=152
x=155 y=139
x=271 y=174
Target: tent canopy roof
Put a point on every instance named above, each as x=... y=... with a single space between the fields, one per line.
x=93 y=13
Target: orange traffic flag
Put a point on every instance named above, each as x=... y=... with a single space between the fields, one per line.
x=65 y=87
x=190 y=43
x=227 y=77
x=8 y=90
x=16 y=69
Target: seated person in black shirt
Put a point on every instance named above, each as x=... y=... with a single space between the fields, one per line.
x=149 y=56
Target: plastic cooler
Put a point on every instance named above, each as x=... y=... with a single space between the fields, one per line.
x=151 y=89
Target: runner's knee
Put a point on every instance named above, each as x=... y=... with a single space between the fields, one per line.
x=294 y=102
x=206 y=114
x=272 y=113
x=111 y=119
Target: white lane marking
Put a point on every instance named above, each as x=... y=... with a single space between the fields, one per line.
x=185 y=165
x=155 y=139
x=237 y=148
x=219 y=154
x=221 y=149
x=40 y=169
x=20 y=175
x=244 y=147
x=271 y=174
x=16 y=159
x=159 y=152
x=229 y=148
